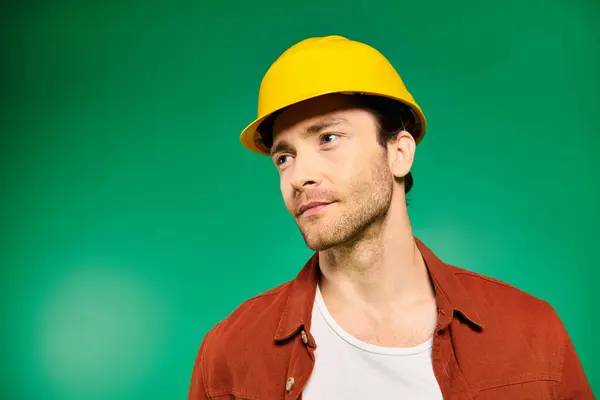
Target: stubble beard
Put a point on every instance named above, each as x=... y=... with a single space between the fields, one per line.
x=366 y=204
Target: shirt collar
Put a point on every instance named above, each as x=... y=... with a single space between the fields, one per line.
x=451 y=296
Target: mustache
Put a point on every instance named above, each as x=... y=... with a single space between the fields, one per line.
x=317 y=195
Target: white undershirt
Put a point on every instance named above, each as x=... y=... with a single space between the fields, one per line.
x=347 y=368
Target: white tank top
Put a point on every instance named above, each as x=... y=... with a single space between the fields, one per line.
x=347 y=368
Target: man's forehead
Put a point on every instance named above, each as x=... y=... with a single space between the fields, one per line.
x=326 y=110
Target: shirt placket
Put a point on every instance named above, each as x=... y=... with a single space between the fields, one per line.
x=302 y=361
x=448 y=374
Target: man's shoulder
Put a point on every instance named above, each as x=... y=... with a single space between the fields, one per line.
x=495 y=292
x=241 y=343
x=263 y=305
x=504 y=306
x=254 y=317
x=517 y=325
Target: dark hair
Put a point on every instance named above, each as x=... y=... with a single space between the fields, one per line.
x=392 y=117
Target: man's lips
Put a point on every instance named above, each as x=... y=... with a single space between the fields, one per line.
x=312 y=207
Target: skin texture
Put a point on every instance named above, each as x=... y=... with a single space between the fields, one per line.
x=374 y=280
x=340 y=164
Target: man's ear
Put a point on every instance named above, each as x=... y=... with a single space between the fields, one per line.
x=401 y=154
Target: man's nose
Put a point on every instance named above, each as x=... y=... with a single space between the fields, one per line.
x=305 y=173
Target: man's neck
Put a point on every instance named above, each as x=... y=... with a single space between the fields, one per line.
x=382 y=270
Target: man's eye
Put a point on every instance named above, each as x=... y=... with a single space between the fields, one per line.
x=282 y=159
x=329 y=138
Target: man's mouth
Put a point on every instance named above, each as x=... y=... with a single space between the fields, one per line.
x=312 y=208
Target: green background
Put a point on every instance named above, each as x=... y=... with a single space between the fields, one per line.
x=133 y=220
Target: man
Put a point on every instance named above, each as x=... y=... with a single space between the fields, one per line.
x=374 y=314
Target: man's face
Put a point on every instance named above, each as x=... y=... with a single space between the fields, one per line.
x=335 y=177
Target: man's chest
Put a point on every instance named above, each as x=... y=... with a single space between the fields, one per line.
x=345 y=367
x=406 y=328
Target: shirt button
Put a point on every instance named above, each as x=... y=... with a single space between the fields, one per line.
x=289 y=384
x=304 y=337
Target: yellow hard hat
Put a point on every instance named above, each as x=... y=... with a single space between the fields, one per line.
x=323 y=65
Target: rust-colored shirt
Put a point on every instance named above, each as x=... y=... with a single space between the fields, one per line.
x=492 y=341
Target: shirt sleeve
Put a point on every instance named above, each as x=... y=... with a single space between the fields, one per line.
x=197 y=390
x=573 y=383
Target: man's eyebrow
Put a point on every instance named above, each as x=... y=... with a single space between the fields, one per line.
x=325 y=124
x=282 y=145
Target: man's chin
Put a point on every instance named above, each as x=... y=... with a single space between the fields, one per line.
x=319 y=246
x=317 y=242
